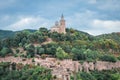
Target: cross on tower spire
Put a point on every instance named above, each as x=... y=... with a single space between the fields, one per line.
x=62 y=17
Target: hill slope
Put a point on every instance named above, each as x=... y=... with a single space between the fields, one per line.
x=114 y=36
x=74 y=44
x=7 y=33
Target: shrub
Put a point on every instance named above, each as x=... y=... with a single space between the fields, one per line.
x=118 y=57
x=61 y=54
x=33 y=60
x=109 y=58
x=86 y=76
x=17 y=50
x=5 y=51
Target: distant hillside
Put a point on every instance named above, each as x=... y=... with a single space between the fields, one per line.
x=7 y=33
x=114 y=36
x=30 y=30
x=76 y=45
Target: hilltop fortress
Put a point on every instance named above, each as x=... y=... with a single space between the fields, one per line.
x=59 y=26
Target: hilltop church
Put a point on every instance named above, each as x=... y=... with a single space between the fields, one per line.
x=60 y=26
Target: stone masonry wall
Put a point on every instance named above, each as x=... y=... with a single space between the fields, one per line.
x=63 y=69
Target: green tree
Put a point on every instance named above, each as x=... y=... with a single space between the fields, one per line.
x=85 y=76
x=110 y=58
x=5 y=51
x=43 y=29
x=78 y=54
x=40 y=50
x=30 y=50
x=34 y=72
x=61 y=54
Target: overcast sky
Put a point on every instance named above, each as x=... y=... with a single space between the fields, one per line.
x=92 y=16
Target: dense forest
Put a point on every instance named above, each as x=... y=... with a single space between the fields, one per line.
x=99 y=75
x=6 y=34
x=76 y=45
x=13 y=71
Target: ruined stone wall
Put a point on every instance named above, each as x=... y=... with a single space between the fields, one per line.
x=63 y=69
x=99 y=65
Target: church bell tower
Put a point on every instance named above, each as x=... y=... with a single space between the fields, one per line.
x=62 y=25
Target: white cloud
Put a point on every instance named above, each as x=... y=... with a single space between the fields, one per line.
x=104 y=26
x=89 y=21
x=82 y=19
x=28 y=23
x=108 y=24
